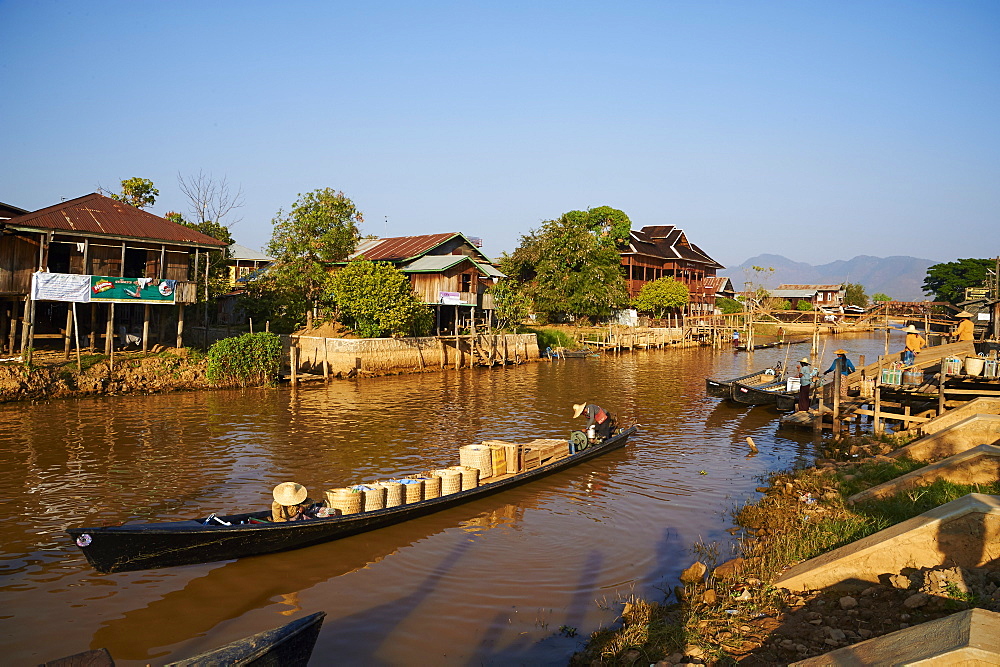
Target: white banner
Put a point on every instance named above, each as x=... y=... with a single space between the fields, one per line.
x=60 y=287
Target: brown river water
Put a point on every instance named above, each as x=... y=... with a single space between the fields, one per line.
x=500 y=580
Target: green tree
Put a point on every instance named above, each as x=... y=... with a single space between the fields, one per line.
x=879 y=296
x=138 y=192
x=377 y=300
x=854 y=295
x=510 y=304
x=321 y=228
x=947 y=281
x=728 y=306
x=782 y=304
x=611 y=226
x=565 y=267
x=661 y=295
x=803 y=305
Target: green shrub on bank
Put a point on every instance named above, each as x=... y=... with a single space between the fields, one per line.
x=552 y=338
x=249 y=360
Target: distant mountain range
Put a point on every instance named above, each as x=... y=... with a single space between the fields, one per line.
x=899 y=277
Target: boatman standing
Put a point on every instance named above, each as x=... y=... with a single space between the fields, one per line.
x=964 y=330
x=846 y=368
x=914 y=343
x=806 y=376
x=600 y=423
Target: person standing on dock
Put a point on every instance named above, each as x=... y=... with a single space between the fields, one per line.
x=964 y=330
x=598 y=419
x=806 y=376
x=846 y=368
x=914 y=343
x=736 y=339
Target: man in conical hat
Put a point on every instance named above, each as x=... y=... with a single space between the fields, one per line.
x=291 y=500
x=965 y=329
x=598 y=417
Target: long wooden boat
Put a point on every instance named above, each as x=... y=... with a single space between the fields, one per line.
x=581 y=354
x=773 y=393
x=291 y=645
x=153 y=545
x=767 y=346
x=723 y=388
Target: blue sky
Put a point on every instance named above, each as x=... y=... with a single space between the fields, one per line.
x=814 y=130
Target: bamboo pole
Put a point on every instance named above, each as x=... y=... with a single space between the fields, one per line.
x=326 y=360
x=293 y=362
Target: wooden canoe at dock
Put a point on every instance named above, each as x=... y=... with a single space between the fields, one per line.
x=153 y=545
x=724 y=388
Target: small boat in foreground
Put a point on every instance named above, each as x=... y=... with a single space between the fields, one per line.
x=723 y=388
x=203 y=540
x=291 y=645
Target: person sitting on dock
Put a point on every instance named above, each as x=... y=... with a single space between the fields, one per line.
x=914 y=343
x=846 y=368
x=806 y=376
x=600 y=423
x=291 y=501
x=965 y=329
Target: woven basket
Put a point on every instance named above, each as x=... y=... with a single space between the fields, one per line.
x=347 y=501
x=451 y=480
x=374 y=496
x=470 y=476
x=413 y=490
x=478 y=457
x=393 y=493
x=432 y=486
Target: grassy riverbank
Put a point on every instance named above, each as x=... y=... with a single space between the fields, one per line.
x=50 y=375
x=732 y=613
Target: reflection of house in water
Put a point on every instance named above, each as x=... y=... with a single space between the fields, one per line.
x=447 y=271
x=94 y=235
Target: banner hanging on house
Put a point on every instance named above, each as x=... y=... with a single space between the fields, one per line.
x=60 y=287
x=83 y=289
x=132 y=290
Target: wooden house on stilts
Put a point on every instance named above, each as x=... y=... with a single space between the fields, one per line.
x=127 y=273
x=448 y=272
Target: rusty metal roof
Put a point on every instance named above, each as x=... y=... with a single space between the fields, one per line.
x=400 y=247
x=668 y=242
x=97 y=215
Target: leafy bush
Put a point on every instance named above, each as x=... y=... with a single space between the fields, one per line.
x=729 y=306
x=376 y=299
x=245 y=361
x=552 y=338
x=803 y=305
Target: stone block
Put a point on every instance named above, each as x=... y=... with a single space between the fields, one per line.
x=964 y=532
x=958 y=437
x=984 y=405
x=979 y=465
x=969 y=638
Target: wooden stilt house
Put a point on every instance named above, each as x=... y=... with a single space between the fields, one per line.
x=126 y=273
x=448 y=272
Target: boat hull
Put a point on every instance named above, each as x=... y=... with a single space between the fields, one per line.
x=770 y=394
x=153 y=545
x=291 y=645
x=724 y=388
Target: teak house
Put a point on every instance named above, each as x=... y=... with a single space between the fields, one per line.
x=664 y=251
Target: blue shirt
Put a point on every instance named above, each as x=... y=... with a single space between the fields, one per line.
x=846 y=369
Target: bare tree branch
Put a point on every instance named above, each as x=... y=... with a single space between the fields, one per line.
x=210 y=199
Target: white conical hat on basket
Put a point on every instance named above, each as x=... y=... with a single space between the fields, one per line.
x=289 y=493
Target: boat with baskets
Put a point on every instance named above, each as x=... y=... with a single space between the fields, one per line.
x=214 y=538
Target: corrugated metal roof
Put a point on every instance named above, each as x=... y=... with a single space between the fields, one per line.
x=237 y=251
x=99 y=215
x=432 y=263
x=399 y=247
x=818 y=288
